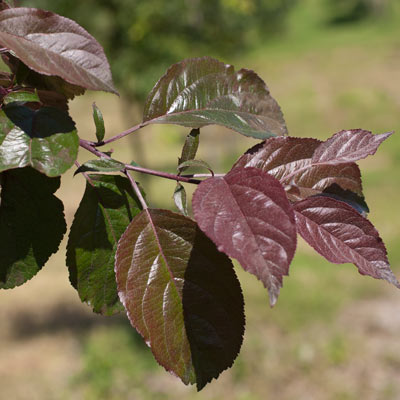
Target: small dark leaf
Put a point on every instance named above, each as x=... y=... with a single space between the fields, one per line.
x=22 y=96
x=100 y=165
x=288 y=159
x=105 y=211
x=53 y=45
x=180 y=199
x=246 y=213
x=352 y=199
x=194 y=164
x=45 y=139
x=99 y=122
x=181 y=295
x=340 y=234
x=32 y=224
x=190 y=147
x=203 y=91
x=348 y=146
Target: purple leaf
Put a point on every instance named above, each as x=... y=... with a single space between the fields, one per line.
x=348 y=146
x=202 y=91
x=53 y=45
x=288 y=159
x=340 y=234
x=246 y=213
x=181 y=295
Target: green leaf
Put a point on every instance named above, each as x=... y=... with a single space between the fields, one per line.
x=100 y=165
x=99 y=122
x=45 y=139
x=202 y=91
x=181 y=294
x=180 y=199
x=190 y=147
x=32 y=224
x=22 y=96
x=195 y=164
x=105 y=211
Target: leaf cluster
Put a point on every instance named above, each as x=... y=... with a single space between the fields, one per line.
x=171 y=273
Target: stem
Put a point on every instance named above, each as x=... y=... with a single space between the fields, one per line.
x=137 y=190
x=188 y=179
x=121 y=135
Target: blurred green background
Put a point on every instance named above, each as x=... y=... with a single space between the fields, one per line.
x=331 y=65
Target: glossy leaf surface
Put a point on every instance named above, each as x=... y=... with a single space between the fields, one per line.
x=105 y=211
x=246 y=213
x=45 y=139
x=288 y=159
x=21 y=96
x=348 y=146
x=100 y=165
x=32 y=224
x=202 y=91
x=181 y=295
x=340 y=234
x=53 y=45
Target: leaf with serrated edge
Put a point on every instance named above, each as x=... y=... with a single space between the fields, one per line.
x=202 y=91
x=32 y=224
x=45 y=139
x=342 y=235
x=348 y=146
x=100 y=165
x=54 y=45
x=246 y=213
x=288 y=159
x=105 y=211
x=181 y=295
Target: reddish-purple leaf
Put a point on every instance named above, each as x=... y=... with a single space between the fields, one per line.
x=348 y=146
x=181 y=295
x=53 y=45
x=201 y=91
x=288 y=159
x=246 y=213
x=342 y=235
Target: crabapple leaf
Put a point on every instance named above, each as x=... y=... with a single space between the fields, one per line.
x=54 y=45
x=181 y=295
x=201 y=91
x=32 y=224
x=342 y=235
x=247 y=215
x=348 y=146
x=106 y=209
